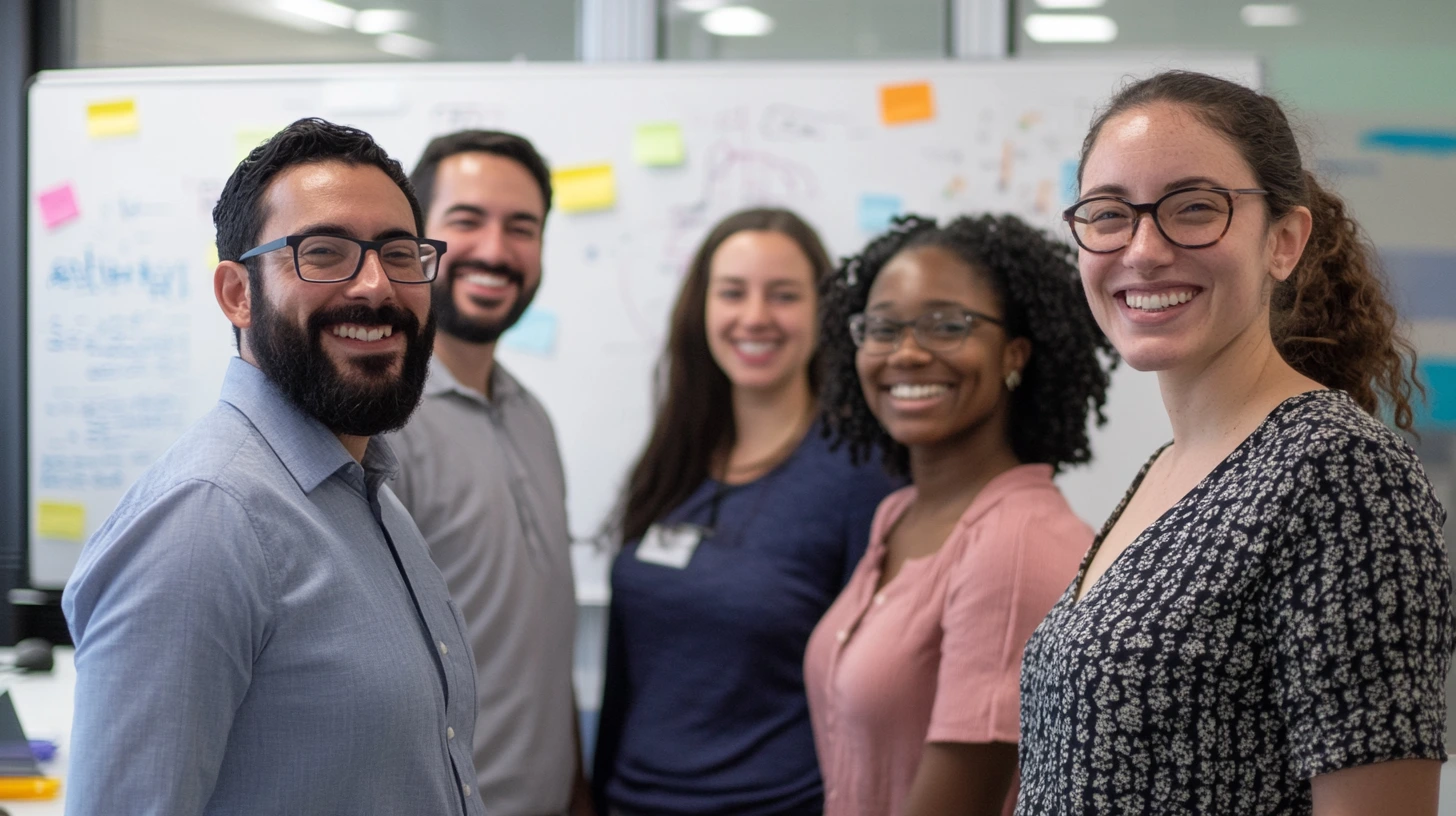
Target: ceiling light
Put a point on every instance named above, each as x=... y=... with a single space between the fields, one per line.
x=1070 y=28
x=1071 y=4
x=1261 y=15
x=737 y=21
x=321 y=11
x=403 y=45
x=382 y=21
x=699 y=6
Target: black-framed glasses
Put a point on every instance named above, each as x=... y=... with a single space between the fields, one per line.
x=941 y=330
x=335 y=258
x=1190 y=217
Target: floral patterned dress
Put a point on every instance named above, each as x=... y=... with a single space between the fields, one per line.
x=1290 y=616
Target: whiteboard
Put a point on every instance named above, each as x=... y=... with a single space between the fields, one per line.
x=127 y=347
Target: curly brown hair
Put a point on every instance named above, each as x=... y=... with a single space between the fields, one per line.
x=1036 y=281
x=1331 y=319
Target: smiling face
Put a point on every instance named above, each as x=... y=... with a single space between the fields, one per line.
x=354 y=355
x=761 y=310
x=1162 y=306
x=490 y=211
x=925 y=398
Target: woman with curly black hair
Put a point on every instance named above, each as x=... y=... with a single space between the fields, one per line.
x=967 y=357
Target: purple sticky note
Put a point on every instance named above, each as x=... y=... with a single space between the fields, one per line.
x=58 y=205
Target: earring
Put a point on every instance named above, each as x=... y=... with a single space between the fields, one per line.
x=1013 y=379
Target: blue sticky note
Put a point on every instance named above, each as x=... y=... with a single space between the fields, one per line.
x=1069 y=182
x=1431 y=142
x=876 y=210
x=1439 y=410
x=534 y=333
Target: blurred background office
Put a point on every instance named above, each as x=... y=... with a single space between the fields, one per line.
x=1371 y=83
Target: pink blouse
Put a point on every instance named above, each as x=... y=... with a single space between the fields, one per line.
x=935 y=656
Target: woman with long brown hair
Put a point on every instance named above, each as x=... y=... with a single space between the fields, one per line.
x=739 y=528
x=1264 y=624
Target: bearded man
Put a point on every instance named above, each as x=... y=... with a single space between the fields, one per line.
x=258 y=625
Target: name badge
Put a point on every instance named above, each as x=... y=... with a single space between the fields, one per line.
x=670 y=545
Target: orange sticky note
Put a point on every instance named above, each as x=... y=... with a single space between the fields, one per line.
x=117 y=117
x=902 y=104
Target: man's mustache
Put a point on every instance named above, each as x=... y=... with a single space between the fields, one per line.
x=386 y=315
x=513 y=275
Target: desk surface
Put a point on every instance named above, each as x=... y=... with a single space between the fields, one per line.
x=44 y=704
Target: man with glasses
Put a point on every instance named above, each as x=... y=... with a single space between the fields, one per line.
x=258 y=626
x=481 y=474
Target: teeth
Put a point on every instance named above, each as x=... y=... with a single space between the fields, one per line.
x=910 y=391
x=754 y=349
x=487 y=279
x=361 y=333
x=1158 y=302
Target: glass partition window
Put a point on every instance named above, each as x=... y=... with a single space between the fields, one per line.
x=182 y=32
x=804 y=29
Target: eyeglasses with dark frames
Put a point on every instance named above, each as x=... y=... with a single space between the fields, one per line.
x=1189 y=217
x=940 y=330
x=336 y=258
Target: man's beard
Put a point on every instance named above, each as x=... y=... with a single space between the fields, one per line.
x=368 y=404
x=473 y=329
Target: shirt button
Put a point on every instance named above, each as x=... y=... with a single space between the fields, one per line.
x=829 y=796
x=879 y=598
x=449 y=732
x=444 y=650
x=467 y=790
x=842 y=636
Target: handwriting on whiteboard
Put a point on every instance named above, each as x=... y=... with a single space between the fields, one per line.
x=98 y=274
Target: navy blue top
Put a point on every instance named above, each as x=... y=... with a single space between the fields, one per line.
x=703 y=710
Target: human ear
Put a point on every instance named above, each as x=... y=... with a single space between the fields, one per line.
x=230 y=286
x=1287 y=238
x=1015 y=355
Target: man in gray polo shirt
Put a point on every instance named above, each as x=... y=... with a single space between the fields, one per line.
x=481 y=474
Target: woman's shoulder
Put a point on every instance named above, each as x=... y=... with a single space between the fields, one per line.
x=1024 y=508
x=1319 y=429
x=1025 y=493
x=819 y=458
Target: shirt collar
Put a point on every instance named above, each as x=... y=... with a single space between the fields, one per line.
x=309 y=451
x=503 y=386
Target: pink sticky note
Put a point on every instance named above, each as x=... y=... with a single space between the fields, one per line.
x=58 y=205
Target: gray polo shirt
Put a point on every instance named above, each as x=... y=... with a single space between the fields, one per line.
x=483 y=479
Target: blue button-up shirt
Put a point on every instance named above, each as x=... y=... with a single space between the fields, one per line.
x=259 y=629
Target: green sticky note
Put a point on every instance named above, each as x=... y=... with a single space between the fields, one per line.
x=658 y=144
x=245 y=139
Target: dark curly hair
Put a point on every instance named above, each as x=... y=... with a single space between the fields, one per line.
x=1037 y=283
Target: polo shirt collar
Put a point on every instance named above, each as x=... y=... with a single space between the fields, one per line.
x=309 y=451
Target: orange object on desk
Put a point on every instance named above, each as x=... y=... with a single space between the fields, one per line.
x=29 y=787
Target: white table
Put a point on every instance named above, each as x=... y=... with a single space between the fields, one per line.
x=44 y=702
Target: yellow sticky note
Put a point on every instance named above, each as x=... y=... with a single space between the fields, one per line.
x=584 y=187
x=658 y=144
x=65 y=521
x=248 y=138
x=211 y=257
x=117 y=117
x=902 y=104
